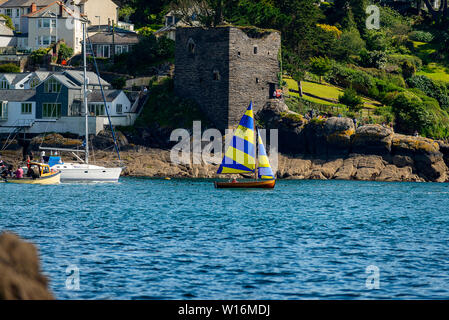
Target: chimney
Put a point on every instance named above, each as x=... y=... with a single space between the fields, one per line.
x=61 y=11
x=33 y=7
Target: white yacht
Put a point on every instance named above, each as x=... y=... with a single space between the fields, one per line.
x=84 y=171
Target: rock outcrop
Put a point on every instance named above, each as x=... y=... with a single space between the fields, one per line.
x=20 y=274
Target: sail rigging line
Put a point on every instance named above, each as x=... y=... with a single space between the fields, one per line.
x=104 y=98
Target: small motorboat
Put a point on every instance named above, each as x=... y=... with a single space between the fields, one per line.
x=42 y=174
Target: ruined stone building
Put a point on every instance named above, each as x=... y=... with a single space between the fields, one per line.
x=225 y=68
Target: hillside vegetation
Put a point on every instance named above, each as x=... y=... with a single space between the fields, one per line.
x=397 y=73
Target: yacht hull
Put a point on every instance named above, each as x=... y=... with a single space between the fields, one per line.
x=88 y=173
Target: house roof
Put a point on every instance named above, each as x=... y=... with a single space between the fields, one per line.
x=119 y=38
x=106 y=28
x=110 y=95
x=25 y=3
x=43 y=12
x=18 y=95
x=6 y=31
x=78 y=77
x=64 y=81
x=14 y=78
x=41 y=75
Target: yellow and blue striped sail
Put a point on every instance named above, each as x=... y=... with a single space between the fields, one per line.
x=264 y=170
x=241 y=154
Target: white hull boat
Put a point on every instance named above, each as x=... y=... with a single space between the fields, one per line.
x=87 y=172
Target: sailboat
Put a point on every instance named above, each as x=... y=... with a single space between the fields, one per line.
x=84 y=171
x=240 y=157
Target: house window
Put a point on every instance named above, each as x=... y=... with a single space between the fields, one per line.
x=46 y=23
x=51 y=110
x=34 y=82
x=103 y=51
x=44 y=40
x=26 y=108
x=52 y=86
x=255 y=49
x=119 y=108
x=97 y=109
x=4 y=85
x=3 y=110
x=119 y=49
x=9 y=12
x=216 y=75
x=53 y=39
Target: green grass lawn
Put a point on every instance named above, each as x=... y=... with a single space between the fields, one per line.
x=325 y=91
x=432 y=70
x=435 y=71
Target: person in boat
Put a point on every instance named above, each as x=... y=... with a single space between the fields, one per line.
x=19 y=173
x=234 y=180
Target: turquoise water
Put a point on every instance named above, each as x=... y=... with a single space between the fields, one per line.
x=182 y=239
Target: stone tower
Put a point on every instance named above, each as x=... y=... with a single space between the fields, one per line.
x=225 y=68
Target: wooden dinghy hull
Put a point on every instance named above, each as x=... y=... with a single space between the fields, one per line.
x=53 y=178
x=268 y=184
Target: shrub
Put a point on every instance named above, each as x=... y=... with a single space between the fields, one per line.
x=351 y=99
x=348 y=44
x=119 y=82
x=423 y=115
x=9 y=68
x=408 y=69
x=39 y=56
x=373 y=59
x=378 y=40
x=420 y=36
x=64 y=52
x=320 y=66
x=399 y=59
x=386 y=112
x=433 y=89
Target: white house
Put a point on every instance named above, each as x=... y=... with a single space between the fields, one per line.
x=53 y=23
x=17 y=108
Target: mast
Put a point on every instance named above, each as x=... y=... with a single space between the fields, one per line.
x=86 y=108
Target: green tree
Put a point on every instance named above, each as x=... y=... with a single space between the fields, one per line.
x=351 y=99
x=9 y=68
x=320 y=66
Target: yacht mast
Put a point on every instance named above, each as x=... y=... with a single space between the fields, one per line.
x=86 y=108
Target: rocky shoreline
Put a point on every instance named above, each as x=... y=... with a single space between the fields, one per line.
x=327 y=149
x=155 y=163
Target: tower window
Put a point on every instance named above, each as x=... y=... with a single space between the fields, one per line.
x=257 y=80
x=216 y=76
x=238 y=53
x=191 y=46
x=255 y=49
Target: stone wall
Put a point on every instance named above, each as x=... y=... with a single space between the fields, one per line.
x=194 y=71
x=220 y=70
x=251 y=73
